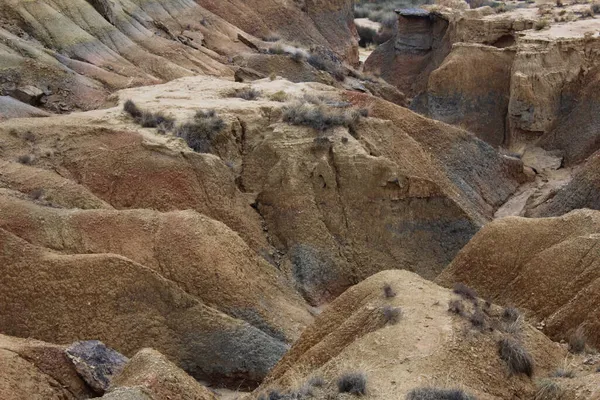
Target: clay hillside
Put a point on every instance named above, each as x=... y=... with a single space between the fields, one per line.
x=298 y=199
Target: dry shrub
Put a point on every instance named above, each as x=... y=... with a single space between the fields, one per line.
x=353 y=383
x=577 y=341
x=392 y=315
x=433 y=393
x=464 y=291
x=516 y=357
x=388 y=291
x=279 y=96
x=548 y=390
x=200 y=133
x=247 y=93
x=456 y=307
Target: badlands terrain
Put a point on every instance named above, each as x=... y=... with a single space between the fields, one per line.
x=298 y=199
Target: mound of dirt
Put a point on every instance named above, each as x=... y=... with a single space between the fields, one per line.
x=547 y=266
x=204 y=257
x=404 y=338
x=151 y=373
x=13 y=108
x=62 y=298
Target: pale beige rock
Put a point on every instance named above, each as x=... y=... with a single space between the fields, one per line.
x=428 y=346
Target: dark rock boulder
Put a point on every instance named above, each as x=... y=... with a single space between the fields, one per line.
x=96 y=363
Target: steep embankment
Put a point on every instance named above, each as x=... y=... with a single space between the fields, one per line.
x=548 y=266
x=495 y=75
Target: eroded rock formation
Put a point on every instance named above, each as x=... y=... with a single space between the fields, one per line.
x=496 y=76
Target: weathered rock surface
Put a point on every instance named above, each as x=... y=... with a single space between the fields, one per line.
x=548 y=266
x=32 y=369
x=12 y=108
x=580 y=192
x=77 y=52
x=427 y=346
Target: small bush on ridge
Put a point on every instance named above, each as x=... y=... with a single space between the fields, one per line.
x=388 y=291
x=353 y=383
x=392 y=315
x=516 y=357
x=433 y=393
x=200 y=132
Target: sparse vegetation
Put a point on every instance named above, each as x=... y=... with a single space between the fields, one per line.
x=513 y=327
x=322 y=142
x=367 y=35
x=564 y=373
x=577 y=341
x=456 y=307
x=392 y=315
x=279 y=96
x=353 y=383
x=277 y=49
x=36 y=194
x=304 y=392
x=316 y=381
x=148 y=119
x=433 y=393
x=155 y=120
x=297 y=56
x=131 y=108
x=587 y=12
x=516 y=357
x=510 y=314
x=271 y=37
x=477 y=319
x=388 y=291
x=321 y=63
x=541 y=24
x=29 y=136
x=465 y=292
x=246 y=93
x=200 y=133
x=548 y=390
x=320 y=117
x=26 y=159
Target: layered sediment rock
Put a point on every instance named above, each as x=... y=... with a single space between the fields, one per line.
x=497 y=77
x=76 y=53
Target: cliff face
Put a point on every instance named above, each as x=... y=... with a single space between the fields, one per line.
x=407 y=59
x=497 y=77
